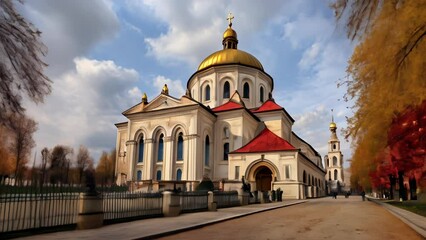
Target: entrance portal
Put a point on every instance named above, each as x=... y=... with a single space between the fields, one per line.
x=263 y=179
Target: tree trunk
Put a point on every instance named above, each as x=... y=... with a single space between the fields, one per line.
x=402 y=190
x=413 y=187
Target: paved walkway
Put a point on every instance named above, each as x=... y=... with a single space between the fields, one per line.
x=157 y=227
x=415 y=221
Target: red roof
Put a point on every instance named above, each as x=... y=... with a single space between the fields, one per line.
x=269 y=105
x=230 y=105
x=266 y=141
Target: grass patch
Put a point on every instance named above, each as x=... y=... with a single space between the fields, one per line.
x=412 y=206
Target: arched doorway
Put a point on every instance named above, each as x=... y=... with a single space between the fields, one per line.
x=263 y=179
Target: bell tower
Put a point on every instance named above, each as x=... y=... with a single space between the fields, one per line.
x=334 y=160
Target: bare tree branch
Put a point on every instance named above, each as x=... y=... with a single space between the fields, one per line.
x=21 y=64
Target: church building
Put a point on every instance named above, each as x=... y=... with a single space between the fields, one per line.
x=227 y=127
x=334 y=163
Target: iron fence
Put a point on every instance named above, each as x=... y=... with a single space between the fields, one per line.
x=193 y=201
x=226 y=199
x=119 y=206
x=31 y=207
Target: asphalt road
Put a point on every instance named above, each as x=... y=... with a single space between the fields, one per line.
x=326 y=218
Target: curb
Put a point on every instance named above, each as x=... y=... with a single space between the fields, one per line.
x=196 y=226
x=402 y=215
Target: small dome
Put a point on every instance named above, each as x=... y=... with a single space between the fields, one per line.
x=333 y=125
x=229 y=32
x=230 y=56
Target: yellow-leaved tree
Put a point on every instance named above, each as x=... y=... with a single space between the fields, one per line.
x=386 y=73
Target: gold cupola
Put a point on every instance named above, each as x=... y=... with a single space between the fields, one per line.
x=144 y=98
x=333 y=125
x=230 y=53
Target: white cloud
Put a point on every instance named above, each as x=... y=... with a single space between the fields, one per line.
x=313 y=127
x=84 y=105
x=175 y=87
x=310 y=56
x=194 y=28
x=71 y=28
x=306 y=29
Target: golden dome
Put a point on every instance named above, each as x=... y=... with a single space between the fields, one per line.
x=230 y=56
x=229 y=32
x=333 y=125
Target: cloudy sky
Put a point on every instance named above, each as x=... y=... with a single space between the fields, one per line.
x=104 y=54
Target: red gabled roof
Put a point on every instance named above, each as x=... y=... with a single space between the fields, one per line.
x=269 y=105
x=266 y=141
x=230 y=105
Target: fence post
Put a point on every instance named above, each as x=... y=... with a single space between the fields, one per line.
x=90 y=212
x=171 y=204
x=244 y=197
x=211 y=203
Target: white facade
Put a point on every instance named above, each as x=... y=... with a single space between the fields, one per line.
x=210 y=131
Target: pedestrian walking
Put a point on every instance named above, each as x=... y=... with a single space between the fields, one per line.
x=363 y=195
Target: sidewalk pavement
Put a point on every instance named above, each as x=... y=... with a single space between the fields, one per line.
x=415 y=221
x=158 y=227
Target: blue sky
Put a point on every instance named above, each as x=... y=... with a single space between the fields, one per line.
x=103 y=55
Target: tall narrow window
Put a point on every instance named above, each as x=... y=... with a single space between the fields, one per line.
x=237 y=172
x=179 y=175
x=334 y=161
x=287 y=171
x=261 y=94
x=180 y=147
x=304 y=177
x=328 y=162
x=335 y=174
x=207 y=151
x=226 y=90
x=158 y=175
x=139 y=175
x=329 y=175
x=246 y=90
x=160 y=148
x=207 y=93
x=225 y=151
x=141 y=149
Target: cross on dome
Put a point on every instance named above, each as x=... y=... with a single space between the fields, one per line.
x=229 y=18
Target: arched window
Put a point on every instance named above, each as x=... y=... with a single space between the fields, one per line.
x=328 y=162
x=158 y=175
x=180 y=147
x=179 y=175
x=207 y=93
x=334 y=161
x=335 y=174
x=261 y=94
x=207 y=151
x=329 y=175
x=309 y=179
x=225 y=151
x=226 y=132
x=141 y=149
x=139 y=175
x=160 y=148
x=246 y=90
x=334 y=146
x=226 y=90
